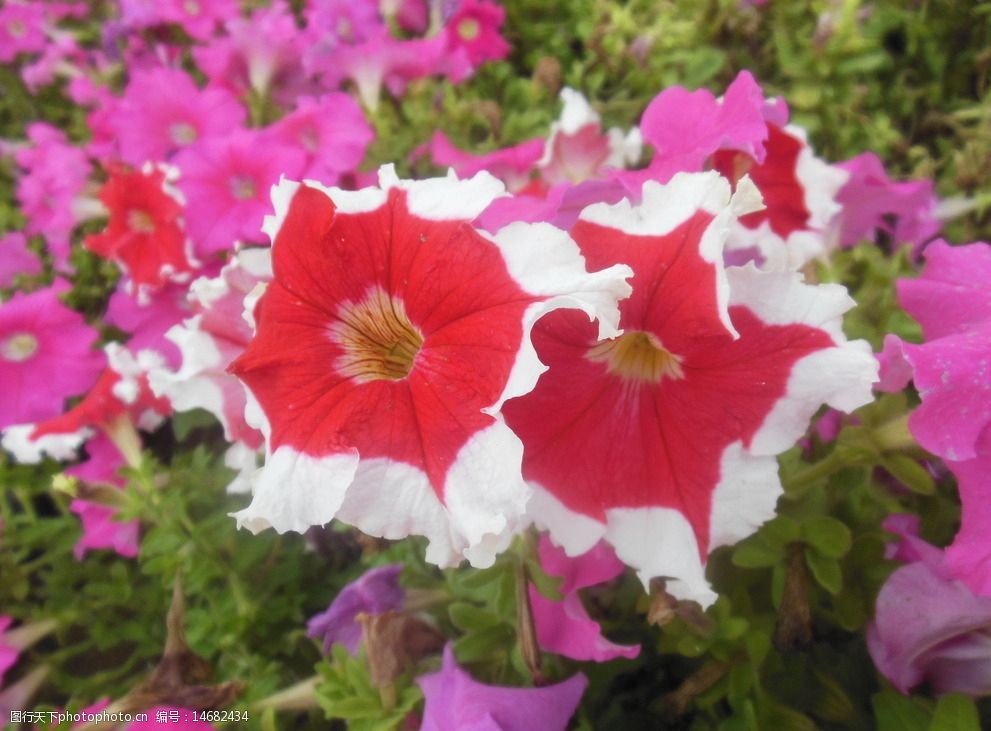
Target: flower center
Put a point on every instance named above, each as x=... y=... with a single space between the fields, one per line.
x=183 y=133
x=191 y=7
x=242 y=187
x=469 y=29
x=141 y=222
x=378 y=339
x=19 y=347
x=638 y=356
x=17 y=28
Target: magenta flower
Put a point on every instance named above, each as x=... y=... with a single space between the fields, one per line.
x=8 y=653
x=455 y=700
x=390 y=336
x=374 y=592
x=331 y=23
x=473 y=29
x=952 y=302
x=331 y=130
x=686 y=128
x=512 y=165
x=662 y=441
x=16 y=258
x=51 y=186
x=870 y=201
x=226 y=184
x=23 y=28
x=564 y=627
x=101 y=531
x=260 y=53
x=162 y=111
x=199 y=18
x=927 y=625
x=46 y=356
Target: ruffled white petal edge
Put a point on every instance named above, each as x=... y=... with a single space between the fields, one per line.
x=576 y=113
x=659 y=542
x=779 y=254
x=820 y=181
x=484 y=497
x=665 y=207
x=546 y=262
x=187 y=388
x=436 y=199
x=840 y=376
x=27 y=450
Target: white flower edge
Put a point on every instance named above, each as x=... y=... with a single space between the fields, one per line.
x=665 y=207
x=658 y=542
x=840 y=376
x=546 y=262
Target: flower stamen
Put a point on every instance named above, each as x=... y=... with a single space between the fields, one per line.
x=18 y=348
x=637 y=355
x=378 y=339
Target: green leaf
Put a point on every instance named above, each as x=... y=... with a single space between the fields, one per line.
x=755 y=552
x=485 y=644
x=909 y=472
x=825 y=570
x=468 y=617
x=955 y=712
x=895 y=712
x=828 y=536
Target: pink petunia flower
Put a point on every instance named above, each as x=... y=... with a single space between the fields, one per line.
x=870 y=199
x=46 y=356
x=144 y=234
x=332 y=23
x=512 y=165
x=16 y=258
x=101 y=531
x=260 y=53
x=952 y=302
x=374 y=592
x=663 y=441
x=226 y=185
x=8 y=653
x=333 y=132
x=564 y=627
x=162 y=111
x=473 y=29
x=23 y=29
x=455 y=700
x=929 y=627
x=391 y=335
x=51 y=187
x=199 y=18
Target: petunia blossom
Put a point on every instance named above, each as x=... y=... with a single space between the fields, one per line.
x=147 y=315
x=564 y=627
x=950 y=370
x=16 y=258
x=46 y=356
x=333 y=132
x=873 y=203
x=455 y=700
x=102 y=531
x=375 y=591
x=162 y=112
x=928 y=626
x=473 y=29
x=663 y=441
x=23 y=29
x=144 y=234
x=388 y=340
x=226 y=185
x=512 y=165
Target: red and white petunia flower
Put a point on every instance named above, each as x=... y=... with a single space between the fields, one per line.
x=144 y=235
x=663 y=440
x=209 y=341
x=800 y=198
x=390 y=337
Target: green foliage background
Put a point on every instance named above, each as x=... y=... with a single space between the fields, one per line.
x=908 y=80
